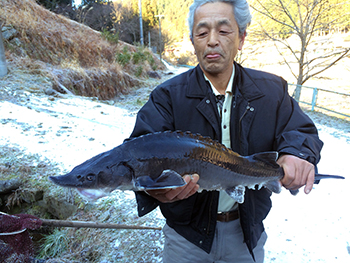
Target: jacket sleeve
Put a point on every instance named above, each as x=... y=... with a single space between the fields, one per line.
x=154 y=116
x=296 y=134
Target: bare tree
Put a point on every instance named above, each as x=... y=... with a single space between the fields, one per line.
x=99 y=15
x=3 y=67
x=127 y=23
x=306 y=20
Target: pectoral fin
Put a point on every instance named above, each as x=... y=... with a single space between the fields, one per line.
x=274 y=186
x=237 y=193
x=168 y=179
x=294 y=192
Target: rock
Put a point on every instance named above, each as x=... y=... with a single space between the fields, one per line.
x=6 y=186
x=8 y=33
x=153 y=74
x=50 y=91
x=58 y=207
x=15 y=41
x=32 y=195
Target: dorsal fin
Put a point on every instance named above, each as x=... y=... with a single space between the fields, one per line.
x=187 y=134
x=203 y=139
x=269 y=158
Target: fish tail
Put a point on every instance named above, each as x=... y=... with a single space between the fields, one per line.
x=327 y=176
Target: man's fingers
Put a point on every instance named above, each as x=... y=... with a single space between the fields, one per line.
x=183 y=192
x=297 y=173
x=309 y=182
x=287 y=180
x=188 y=190
x=179 y=193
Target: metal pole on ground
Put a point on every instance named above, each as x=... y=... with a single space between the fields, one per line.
x=3 y=67
x=141 y=29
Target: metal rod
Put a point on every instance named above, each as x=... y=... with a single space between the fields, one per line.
x=66 y=223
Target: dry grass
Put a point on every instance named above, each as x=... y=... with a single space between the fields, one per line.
x=71 y=54
x=107 y=245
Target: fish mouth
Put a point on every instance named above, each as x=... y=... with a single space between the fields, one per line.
x=92 y=194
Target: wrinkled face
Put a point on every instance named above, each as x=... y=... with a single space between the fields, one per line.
x=216 y=38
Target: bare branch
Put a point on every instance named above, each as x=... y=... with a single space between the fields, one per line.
x=304 y=19
x=270 y=16
x=327 y=67
x=285 y=61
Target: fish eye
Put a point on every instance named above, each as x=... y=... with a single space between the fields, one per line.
x=90 y=177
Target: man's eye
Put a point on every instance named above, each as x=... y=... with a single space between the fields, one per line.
x=202 y=34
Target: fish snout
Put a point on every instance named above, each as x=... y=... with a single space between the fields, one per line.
x=74 y=180
x=55 y=179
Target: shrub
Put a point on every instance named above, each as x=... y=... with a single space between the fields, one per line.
x=138 y=71
x=124 y=57
x=138 y=56
x=110 y=37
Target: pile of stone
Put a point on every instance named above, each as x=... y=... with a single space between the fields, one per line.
x=11 y=38
x=27 y=198
x=10 y=35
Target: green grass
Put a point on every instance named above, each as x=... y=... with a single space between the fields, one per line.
x=55 y=244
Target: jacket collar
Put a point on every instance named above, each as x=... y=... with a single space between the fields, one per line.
x=198 y=87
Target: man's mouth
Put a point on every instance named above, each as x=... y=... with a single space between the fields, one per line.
x=213 y=56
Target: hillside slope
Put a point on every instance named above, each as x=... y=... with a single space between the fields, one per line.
x=75 y=57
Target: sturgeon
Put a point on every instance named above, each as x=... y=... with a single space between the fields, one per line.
x=160 y=160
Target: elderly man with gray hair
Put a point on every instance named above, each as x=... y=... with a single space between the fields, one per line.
x=247 y=110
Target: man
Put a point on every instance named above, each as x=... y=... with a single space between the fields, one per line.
x=257 y=115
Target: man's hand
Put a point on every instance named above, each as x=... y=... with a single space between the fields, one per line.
x=297 y=173
x=176 y=194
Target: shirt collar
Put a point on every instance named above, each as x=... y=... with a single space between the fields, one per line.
x=229 y=85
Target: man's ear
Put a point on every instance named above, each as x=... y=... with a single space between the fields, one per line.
x=193 y=45
x=241 y=40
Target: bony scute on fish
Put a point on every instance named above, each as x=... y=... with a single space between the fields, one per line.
x=160 y=160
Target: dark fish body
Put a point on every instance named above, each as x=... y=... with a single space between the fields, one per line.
x=159 y=160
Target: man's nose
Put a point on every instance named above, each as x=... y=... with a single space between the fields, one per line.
x=213 y=39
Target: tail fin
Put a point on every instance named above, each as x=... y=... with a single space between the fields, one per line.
x=327 y=176
x=319 y=177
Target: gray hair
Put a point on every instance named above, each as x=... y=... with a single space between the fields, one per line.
x=240 y=9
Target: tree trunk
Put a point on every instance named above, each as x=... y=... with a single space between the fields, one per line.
x=297 y=91
x=3 y=67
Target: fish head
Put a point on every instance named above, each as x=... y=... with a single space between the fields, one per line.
x=107 y=171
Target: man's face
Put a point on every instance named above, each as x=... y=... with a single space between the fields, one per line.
x=216 y=37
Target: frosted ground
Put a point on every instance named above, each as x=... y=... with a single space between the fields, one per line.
x=302 y=228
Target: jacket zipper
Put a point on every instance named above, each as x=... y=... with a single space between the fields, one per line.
x=240 y=124
x=210 y=207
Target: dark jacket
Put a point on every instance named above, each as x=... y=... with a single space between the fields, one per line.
x=263 y=118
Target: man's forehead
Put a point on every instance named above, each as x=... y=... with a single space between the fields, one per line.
x=219 y=22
